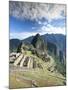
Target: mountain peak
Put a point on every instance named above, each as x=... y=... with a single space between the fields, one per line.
x=37 y=35
x=38 y=43
x=36 y=40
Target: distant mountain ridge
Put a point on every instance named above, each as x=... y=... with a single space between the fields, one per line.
x=14 y=44
x=57 y=39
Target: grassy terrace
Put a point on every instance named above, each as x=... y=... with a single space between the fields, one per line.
x=36 y=77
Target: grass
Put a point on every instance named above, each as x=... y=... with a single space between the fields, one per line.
x=29 y=53
x=16 y=82
x=40 y=77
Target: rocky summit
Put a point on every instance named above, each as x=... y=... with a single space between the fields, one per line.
x=39 y=44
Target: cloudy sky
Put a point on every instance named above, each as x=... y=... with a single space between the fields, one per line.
x=28 y=18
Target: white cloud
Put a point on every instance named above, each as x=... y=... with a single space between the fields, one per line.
x=37 y=11
x=33 y=27
x=43 y=30
x=21 y=35
x=39 y=22
x=50 y=29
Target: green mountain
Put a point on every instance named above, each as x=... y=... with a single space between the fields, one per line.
x=36 y=63
x=57 y=39
x=14 y=44
x=39 y=44
x=53 y=44
x=35 y=60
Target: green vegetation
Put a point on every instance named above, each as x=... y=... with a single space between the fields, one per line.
x=36 y=77
x=19 y=48
x=47 y=70
x=60 y=67
x=39 y=44
x=29 y=78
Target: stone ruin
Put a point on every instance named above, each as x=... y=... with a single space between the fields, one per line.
x=21 y=60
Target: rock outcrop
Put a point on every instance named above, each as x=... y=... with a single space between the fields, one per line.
x=39 y=44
